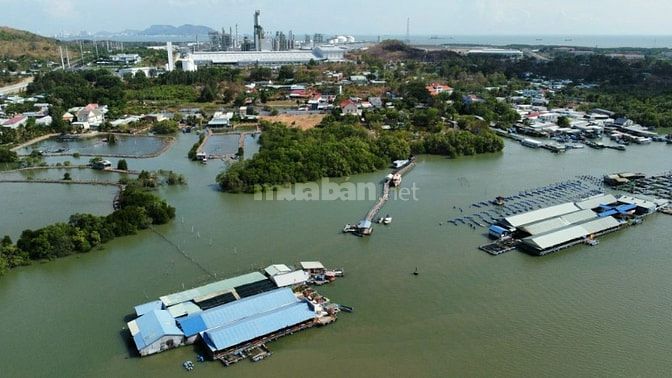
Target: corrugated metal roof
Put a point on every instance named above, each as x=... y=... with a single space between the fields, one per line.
x=275 y=269
x=596 y=201
x=565 y=235
x=637 y=201
x=558 y=222
x=293 y=278
x=257 y=326
x=599 y=225
x=238 y=57
x=152 y=326
x=311 y=265
x=233 y=311
x=555 y=238
x=182 y=309
x=211 y=288
x=148 y=307
x=541 y=214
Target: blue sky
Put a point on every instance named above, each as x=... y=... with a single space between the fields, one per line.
x=449 y=17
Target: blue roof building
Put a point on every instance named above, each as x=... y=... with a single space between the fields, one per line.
x=148 y=307
x=234 y=311
x=155 y=332
x=248 y=329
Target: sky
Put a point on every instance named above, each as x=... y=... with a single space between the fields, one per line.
x=356 y=17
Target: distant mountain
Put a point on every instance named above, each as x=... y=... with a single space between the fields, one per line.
x=179 y=30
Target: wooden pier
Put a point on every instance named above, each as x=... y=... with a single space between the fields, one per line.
x=500 y=246
x=385 y=195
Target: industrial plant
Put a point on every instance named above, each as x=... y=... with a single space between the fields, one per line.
x=229 y=48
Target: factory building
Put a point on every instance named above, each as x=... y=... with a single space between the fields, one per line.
x=248 y=58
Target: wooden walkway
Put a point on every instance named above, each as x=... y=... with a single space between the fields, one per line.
x=385 y=195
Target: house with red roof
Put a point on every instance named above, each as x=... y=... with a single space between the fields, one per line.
x=15 y=122
x=436 y=89
x=349 y=107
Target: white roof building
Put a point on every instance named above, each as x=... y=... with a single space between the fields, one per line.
x=288 y=279
x=311 y=265
x=275 y=269
x=541 y=214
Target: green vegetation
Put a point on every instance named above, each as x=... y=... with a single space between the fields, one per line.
x=122 y=165
x=165 y=127
x=138 y=209
x=182 y=93
x=339 y=149
x=66 y=89
x=194 y=149
x=8 y=156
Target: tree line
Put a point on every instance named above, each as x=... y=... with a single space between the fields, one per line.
x=137 y=210
x=289 y=155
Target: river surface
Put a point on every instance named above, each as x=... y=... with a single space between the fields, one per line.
x=585 y=311
x=125 y=145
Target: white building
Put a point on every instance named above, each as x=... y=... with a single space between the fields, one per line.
x=155 y=332
x=93 y=117
x=126 y=58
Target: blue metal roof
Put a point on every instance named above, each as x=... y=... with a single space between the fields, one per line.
x=233 y=311
x=251 y=328
x=626 y=207
x=148 y=307
x=607 y=213
x=154 y=325
x=497 y=230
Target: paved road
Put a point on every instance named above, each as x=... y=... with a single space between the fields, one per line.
x=16 y=88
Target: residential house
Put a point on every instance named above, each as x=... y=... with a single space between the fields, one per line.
x=93 y=117
x=44 y=121
x=221 y=119
x=68 y=117
x=376 y=102
x=471 y=99
x=359 y=79
x=15 y=122
x=436 y=89
x=349 y=107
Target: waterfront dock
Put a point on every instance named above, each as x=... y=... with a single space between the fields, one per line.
x=364 y=227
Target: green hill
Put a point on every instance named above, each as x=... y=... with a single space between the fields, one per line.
x=19 y=44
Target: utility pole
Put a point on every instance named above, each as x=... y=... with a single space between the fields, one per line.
x=81 y=52
x=408 y=30
x=67 y=56
x=60 y=50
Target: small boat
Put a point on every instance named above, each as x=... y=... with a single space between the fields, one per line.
x=188 y=365
x=345 y=308
x=387 y=219
x=415 y=272
x=349 y=228
x=591 y=242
